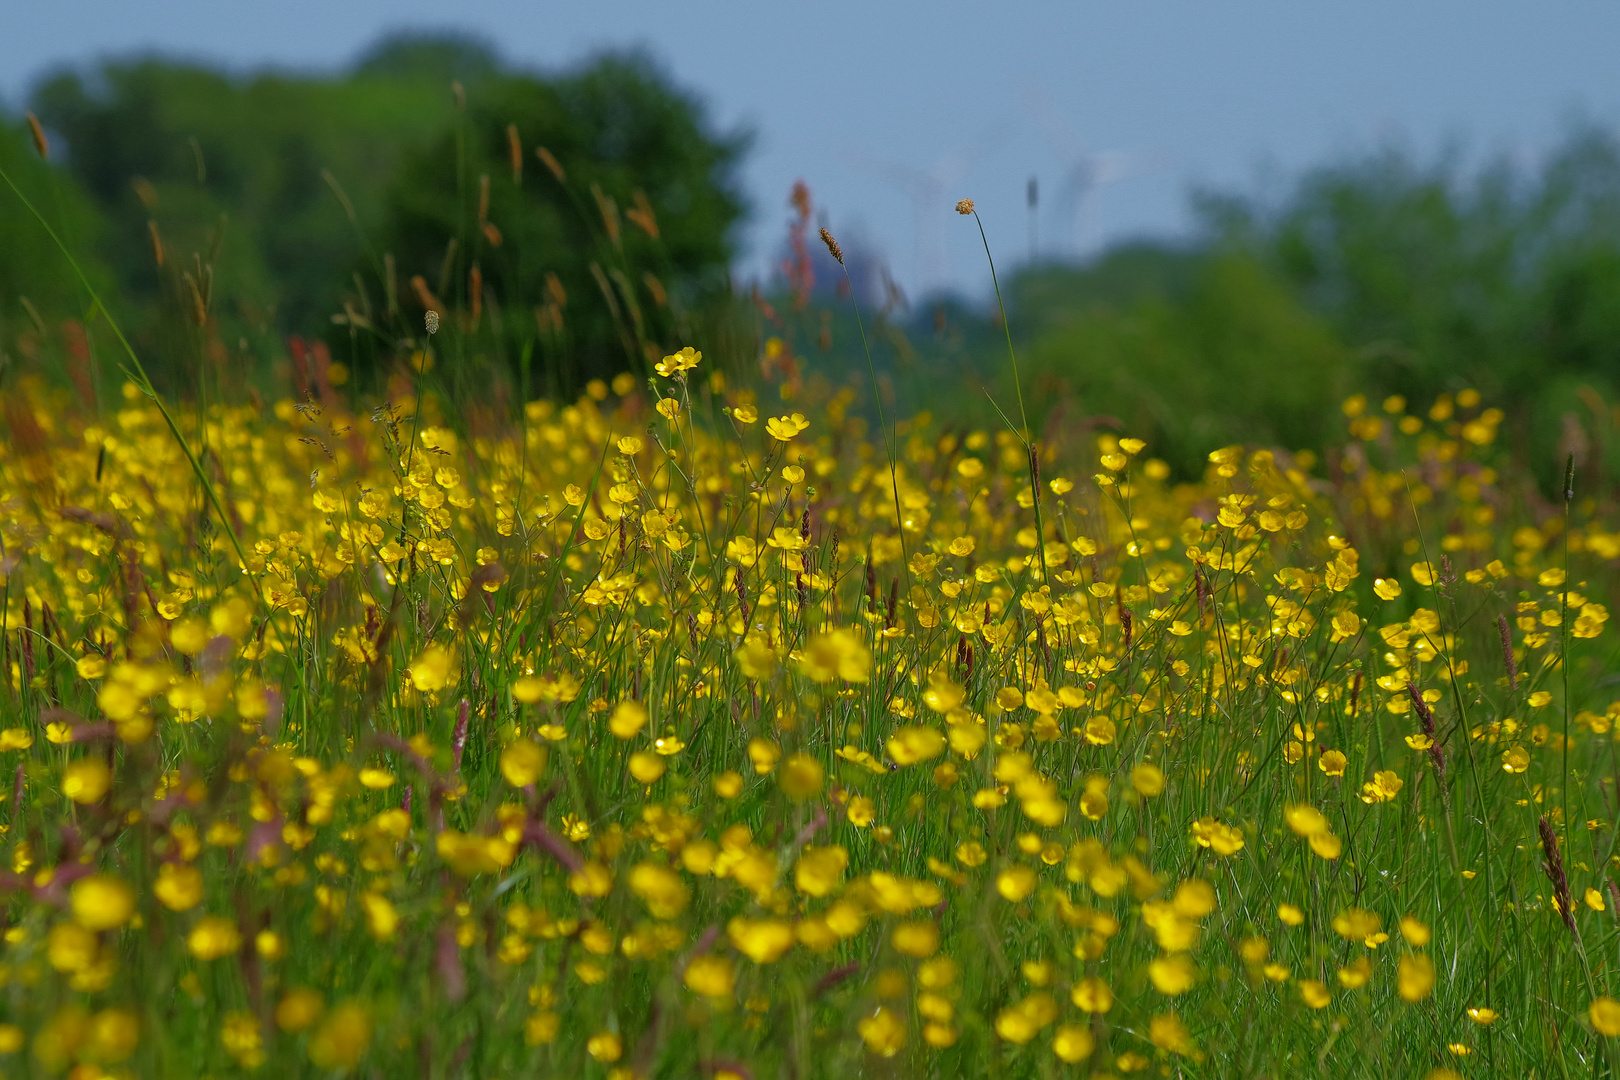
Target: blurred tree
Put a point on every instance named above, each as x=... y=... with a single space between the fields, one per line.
x=226 y=175
x=592 y=210
x=1507 y=278
x=32 y=274
x=1228 y=355
x=278 y=198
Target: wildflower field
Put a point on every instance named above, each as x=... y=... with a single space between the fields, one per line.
x=633 y=737
x=719 y=723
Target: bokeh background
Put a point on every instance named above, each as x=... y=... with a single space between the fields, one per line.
x=1212 y=222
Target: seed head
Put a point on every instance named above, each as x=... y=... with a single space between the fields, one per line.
x=1554 y=866
x=432 y=322
x=964 y=207
x=41 y=144
x=1507 y=652
x=832 y=246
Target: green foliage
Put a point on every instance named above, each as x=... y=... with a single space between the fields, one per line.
x=1382 y=274
x=277 y=198
x=636 y=228
x=27 y=280
x=1191 y=351
x=1507 y=279
x=230 y=173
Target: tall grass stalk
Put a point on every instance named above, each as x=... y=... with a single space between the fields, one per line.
x=1024 y=434
x=137 y=373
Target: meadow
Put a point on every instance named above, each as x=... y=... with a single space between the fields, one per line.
x=732 y=718
x=635 y=738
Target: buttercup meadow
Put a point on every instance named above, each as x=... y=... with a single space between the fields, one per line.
x=735 y=717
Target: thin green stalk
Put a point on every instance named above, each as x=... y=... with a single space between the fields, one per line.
x=890 y=438
x=1563 y=637
x=143 y=381
x=1018 y=388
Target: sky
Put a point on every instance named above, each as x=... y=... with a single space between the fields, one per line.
x=891 y=111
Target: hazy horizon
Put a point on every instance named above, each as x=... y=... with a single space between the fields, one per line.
x=886 y=112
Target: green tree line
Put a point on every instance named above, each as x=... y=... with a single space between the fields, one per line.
x=573 y=225
x=577 y=216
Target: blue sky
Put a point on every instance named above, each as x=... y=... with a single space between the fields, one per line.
x=892 y=111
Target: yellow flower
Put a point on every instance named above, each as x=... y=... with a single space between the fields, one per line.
x=710 y=975
x=764 y=755
x=918 y=939
x=86 y=780
x=343 y=1037
x=1383 y=787
x=761 y=940
x=377 y=779
x=1219 y=838
x=801 y=777
x=1023 y=1020
x=660 y=888
x=470 y=855
x=179 y=886
x=382 y=918
x=1604 y=1013
x=213 y=937
x=1414 y=977
x=1482 y=1016
x=70 y=947
x=430 y=671
x=784 y=428
x=1386 y=588
x=1092 y=995
x=1356 y=924
x=1173 y=974
x=1355 y=975
x=884 y=1033
x=647 y=767
x=909 y=745
x=1167 y=1032
x=1414 y=930
x=269 y=944
x=1072 y=1043
x=1016 y=882
x=101 y=902
x=522 y=762
x=756 y=659
x=628 y=718
x=1305 y=820
x=1290 y=914
x=836 y=655
x=541 y=1028
x=1326 y=845
x=1147 y=779
x=1314 y=994
x=298 y=1010
x=239 y=1034
x=820 y=869
x=679 y=362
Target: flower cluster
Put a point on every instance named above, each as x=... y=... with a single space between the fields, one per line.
x=635 y=736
